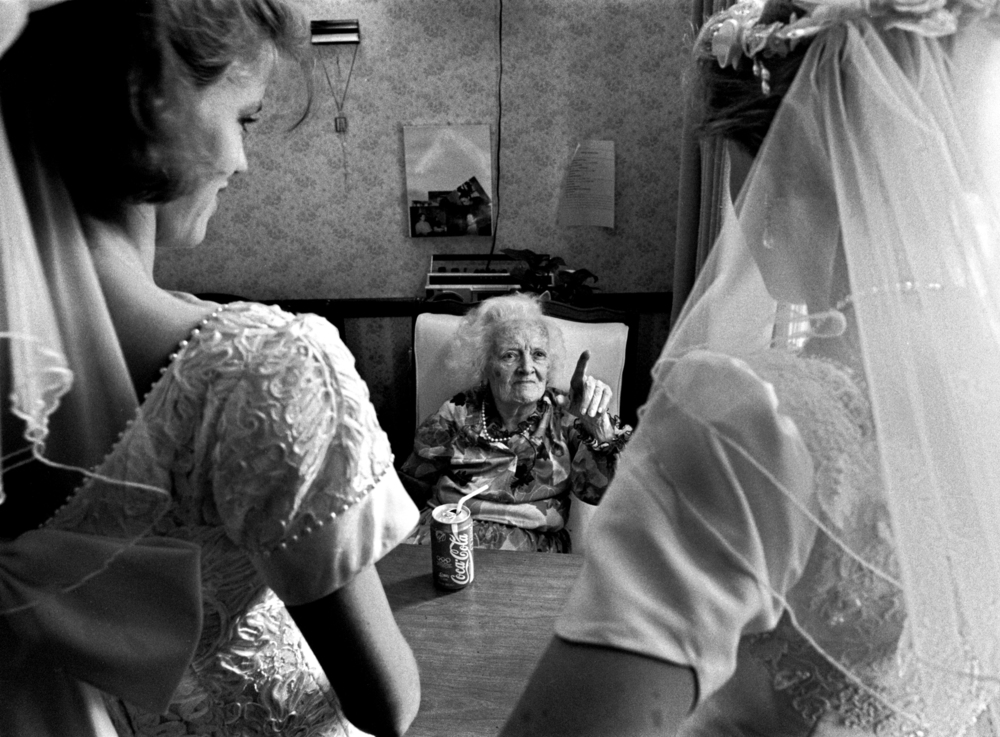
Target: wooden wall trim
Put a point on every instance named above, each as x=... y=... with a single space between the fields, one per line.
x=649 y=303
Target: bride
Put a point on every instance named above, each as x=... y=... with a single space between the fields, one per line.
x=803 y=537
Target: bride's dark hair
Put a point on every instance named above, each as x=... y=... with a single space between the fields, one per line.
x=730 y=103
x=103 y=91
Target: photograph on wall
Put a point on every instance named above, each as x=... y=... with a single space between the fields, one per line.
x=449 y=179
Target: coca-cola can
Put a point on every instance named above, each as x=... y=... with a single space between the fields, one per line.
x=451 y=546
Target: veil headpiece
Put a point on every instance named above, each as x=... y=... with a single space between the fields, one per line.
x=871 y=216
x=737 y=32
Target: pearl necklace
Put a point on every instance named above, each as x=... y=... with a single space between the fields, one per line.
x=485 y=434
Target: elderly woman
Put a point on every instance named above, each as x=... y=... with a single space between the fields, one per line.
x=526 y=444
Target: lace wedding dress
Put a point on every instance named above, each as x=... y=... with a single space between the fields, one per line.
x=280 y=473
x=734 y=469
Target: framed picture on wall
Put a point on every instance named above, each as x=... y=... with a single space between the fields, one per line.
x=449 y=179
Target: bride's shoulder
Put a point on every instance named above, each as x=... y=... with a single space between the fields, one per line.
x=264 y=332
x=714 y=385
x=821 y=400
x=248 y=345
x=816 y=390
x=702 y=370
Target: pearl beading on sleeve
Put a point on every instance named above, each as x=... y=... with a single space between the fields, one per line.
x=94 y=471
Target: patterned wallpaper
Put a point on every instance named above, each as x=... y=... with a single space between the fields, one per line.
x=322 y=214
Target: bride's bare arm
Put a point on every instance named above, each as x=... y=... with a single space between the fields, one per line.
x=364 y=655
x=591 y=691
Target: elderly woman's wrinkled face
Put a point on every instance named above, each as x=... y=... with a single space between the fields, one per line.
x=519 y=370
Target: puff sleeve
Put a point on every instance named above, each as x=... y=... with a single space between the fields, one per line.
x=701 y=532
x=302 y=472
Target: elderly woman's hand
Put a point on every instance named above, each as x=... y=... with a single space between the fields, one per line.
x=589 y=399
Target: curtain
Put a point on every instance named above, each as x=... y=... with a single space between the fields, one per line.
x=702 y=183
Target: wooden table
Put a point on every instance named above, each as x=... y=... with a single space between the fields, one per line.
x=475 y=647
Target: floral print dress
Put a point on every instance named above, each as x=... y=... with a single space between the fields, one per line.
x=531 y=473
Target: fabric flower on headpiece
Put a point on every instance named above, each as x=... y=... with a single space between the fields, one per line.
x=726 y=46
x=736 y=32
x=917 y=7
x=924 y=17
x=937 y=23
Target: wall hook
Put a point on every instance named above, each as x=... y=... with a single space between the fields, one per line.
x=335 y=31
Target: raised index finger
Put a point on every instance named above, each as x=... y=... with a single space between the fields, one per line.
x=581 y=368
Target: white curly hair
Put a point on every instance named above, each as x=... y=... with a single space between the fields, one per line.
x=470 y=354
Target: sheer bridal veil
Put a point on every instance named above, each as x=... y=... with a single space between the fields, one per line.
x=882 y=164
x=111 y=610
